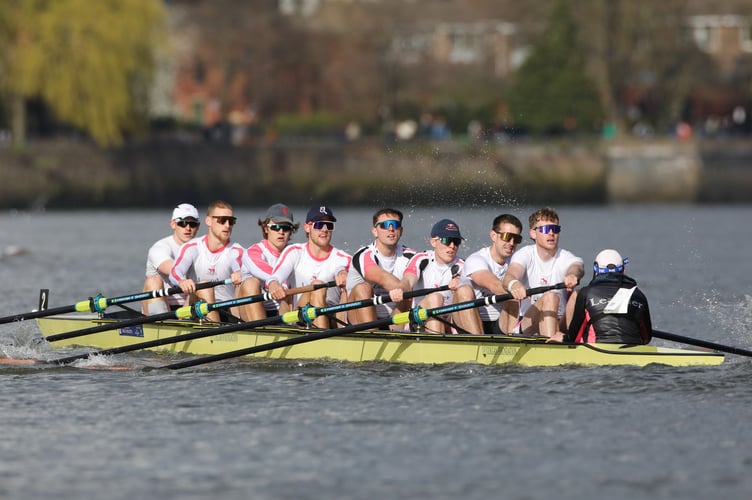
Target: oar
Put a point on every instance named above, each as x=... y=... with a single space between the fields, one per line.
x=306 y=314
x=701 y=343
x=198 y=310
x=100 y=303
x=417 y=315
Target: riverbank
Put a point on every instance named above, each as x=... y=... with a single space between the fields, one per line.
x=64 y=175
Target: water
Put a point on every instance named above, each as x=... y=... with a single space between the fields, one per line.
x=275 y=429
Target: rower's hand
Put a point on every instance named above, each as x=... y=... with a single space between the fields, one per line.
x=236 y=277
x=454 y=283
x=187 y=285
x=276 y=290
x=518 y=290
x=571 y=281
x=396 y=295
x=341 y=279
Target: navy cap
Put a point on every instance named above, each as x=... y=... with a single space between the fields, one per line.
x=446 y=228
x=320 y=213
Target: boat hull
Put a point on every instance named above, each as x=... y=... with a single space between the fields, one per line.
x=395 y=347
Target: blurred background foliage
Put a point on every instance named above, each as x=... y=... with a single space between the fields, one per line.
x=115 y=70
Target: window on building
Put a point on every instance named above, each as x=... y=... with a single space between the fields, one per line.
x=745 y=33
x=703 y=36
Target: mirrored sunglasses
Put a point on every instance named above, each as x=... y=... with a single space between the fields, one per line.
x=321 y=224
x=285 y=228
x=548 y=228
x=505 y=236
x=448 y=241
x=224 y=219
x=389 y=224
x=193 y=224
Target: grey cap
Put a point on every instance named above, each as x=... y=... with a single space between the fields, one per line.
x=279 y=213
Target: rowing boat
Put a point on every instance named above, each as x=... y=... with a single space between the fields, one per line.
x=387 y=346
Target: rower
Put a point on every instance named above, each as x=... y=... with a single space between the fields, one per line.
x=184 y=224
x=610 y=308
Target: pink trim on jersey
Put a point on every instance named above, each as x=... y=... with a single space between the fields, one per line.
x=205 y=241
x=238 y=258
x=412 y=265
x=308 y=250
x=369 y=261
x=256 y=254
x=191 y=245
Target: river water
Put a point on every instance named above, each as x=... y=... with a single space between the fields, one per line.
x=273 y=429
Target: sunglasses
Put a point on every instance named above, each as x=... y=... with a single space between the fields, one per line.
x=389 y=224
x=321 y=224
x=285 y=228
x=224 y=219
x=548 y=228
x=448 y=241
x=190 y=223
x=517 y=238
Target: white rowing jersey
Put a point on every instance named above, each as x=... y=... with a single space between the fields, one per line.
x=163 y=250
x=543 y=273
x=297 y=267
x=259 y=261
x=482 y=261
x=433 y=274
x=368 y=257
x=208 y=265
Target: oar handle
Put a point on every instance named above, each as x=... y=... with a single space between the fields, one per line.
x=701 y=343
x=199 y=286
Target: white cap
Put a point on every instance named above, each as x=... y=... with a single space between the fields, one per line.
x=184 y=210
x=608 y=261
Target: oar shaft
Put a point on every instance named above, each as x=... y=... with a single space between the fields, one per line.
x=397 y=319
x=99 y=303
x=39 y=314
x=177 y=338
x=169 y=340
x=105 y=327
x=162 y=292
x=311 y=313
x=488 y=300
x=290 y=317
x=185 y=312
x=701 y=343
x=282 y=343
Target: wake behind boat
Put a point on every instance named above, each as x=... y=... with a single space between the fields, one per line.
x=365 y=346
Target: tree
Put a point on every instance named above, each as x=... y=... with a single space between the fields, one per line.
x=90 y=62
x=550 y=91
x=641 y=50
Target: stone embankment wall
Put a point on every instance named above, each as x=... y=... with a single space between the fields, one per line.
x=77 y=175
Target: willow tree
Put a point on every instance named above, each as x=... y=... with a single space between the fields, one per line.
x=90 y=62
